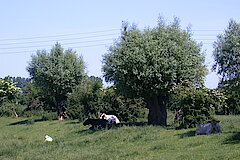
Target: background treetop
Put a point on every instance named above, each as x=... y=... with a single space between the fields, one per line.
x=227 y=52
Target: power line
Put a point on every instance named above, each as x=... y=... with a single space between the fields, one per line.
x=203 y=34
x=66 y=39
x=61 y=35
x=38 y=46
x=81 y=42
x=81 y=33
x=68 y=43
x=20 y=41
x=207 y=30
x=85 y=46
x=205 y=39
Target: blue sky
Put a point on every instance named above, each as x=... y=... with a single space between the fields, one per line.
x=90 y=27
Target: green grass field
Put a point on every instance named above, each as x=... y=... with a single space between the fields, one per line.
x=22 y=139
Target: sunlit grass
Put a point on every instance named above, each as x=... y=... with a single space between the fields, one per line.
x=71 y=140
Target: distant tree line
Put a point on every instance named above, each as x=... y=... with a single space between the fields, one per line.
x=21 y=82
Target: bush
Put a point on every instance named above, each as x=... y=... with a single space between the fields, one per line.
x=32 y=113
x=49 y=116
x=80 y=102
x=127 y=109
x=197 y=104
x=6 y=111
x=232 y=90
x=9 y=109
x=87 y=100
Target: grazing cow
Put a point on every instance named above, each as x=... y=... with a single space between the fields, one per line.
x=96 y=123
x=208 y=128
x=111 y=118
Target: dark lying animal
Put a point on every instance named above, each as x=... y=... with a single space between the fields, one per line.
x=96 y=123
x=208 y=128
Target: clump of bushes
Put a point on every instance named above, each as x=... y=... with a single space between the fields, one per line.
x=197 y=104
x=232 y=90
x=87 y=100
x=10 y=109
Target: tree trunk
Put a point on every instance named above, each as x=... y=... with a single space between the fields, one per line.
x=14 y=111
x=157 y=110
x=60 y=109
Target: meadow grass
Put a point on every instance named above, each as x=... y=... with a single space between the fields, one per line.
x=21 y=139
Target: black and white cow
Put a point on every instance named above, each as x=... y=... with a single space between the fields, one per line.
x=111 y=118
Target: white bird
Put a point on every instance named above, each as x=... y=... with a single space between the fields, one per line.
x=48 y=138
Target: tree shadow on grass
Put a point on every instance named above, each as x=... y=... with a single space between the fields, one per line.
x=132 y=124
x=88 y=131
x=72 y=123
x=19 y=122
x=187 y=134
x=28 y=121
x=233 y=139
x=93 y=130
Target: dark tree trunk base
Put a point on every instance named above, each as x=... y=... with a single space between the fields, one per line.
x=157 y=110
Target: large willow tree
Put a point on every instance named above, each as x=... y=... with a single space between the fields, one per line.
x=149 y=63
x=56 y=73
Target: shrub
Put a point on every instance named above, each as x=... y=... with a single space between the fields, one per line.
x=87 y=100
x=80 y=102
x=5 y=110
x=9 y=109
x=49 y=116
x=197 y=104
x=232 y=90
x=127 y=109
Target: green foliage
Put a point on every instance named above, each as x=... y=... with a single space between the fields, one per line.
x=5 y=110
x=196 y=104
x=8 y=89
x=89 y=99
x=9 y=109
x=80 y=101
x=127 y=109
x=49 y=116
x=227 y=52
x=20 y=82
x=147 y=63
x=34 y=98
x=227 y=59
x=8 y=94
x=56 y=73
x=32 y=113
x=232 y=91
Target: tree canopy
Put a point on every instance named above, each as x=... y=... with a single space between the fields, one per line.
x=227 y=64
x=149 y=63
x=57 y=72
x=227 y=52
